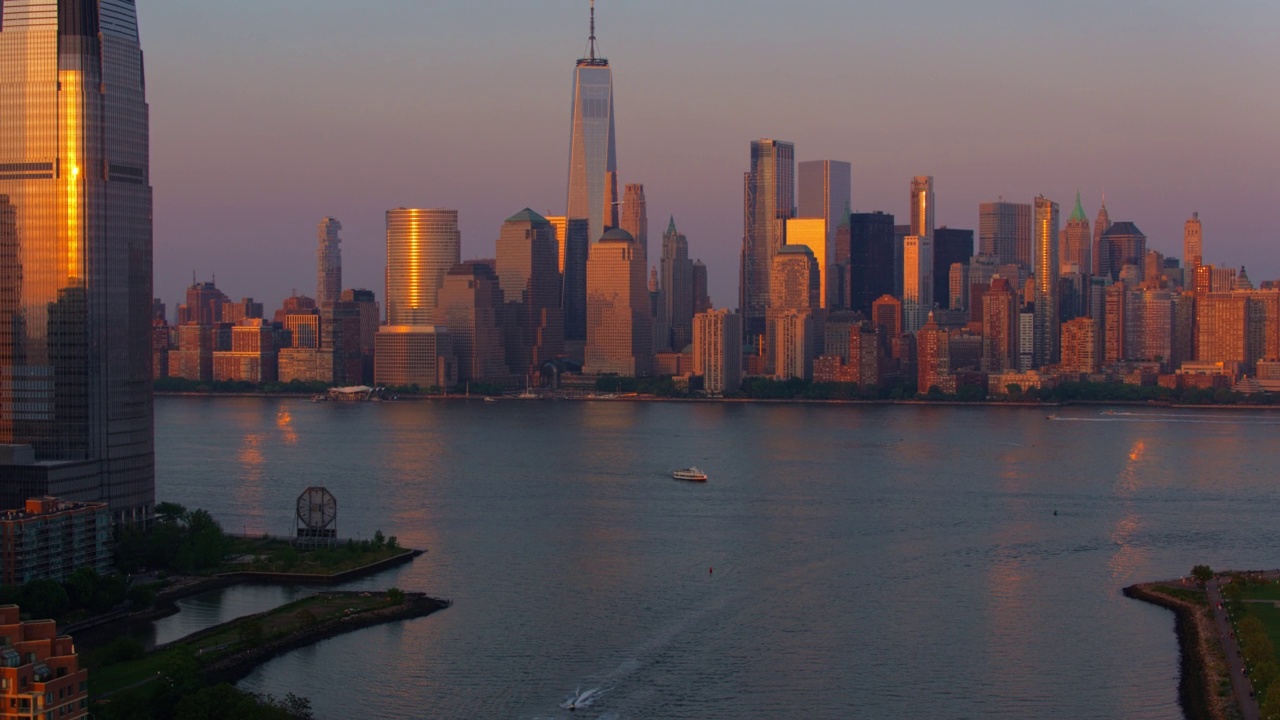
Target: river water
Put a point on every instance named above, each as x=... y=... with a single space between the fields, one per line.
x=868 y=562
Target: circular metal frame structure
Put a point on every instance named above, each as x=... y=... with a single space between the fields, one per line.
x=315 y=521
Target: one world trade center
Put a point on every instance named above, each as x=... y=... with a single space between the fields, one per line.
x=593 y=162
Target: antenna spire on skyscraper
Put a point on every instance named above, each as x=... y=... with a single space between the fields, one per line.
x=591 y=50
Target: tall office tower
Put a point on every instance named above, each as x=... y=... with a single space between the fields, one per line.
x=1077 y=242
x=900 y=233
x=1100 y=226
x=593 y=161
x=1122 y=244
x=841 y=273
x=421 y=247
x=1115 y=323
x=950 y=246
x=533 y=320
x=471 y=307
x=717 y=351
x=1081 y=352
x=635 y=216
x=677 y=289
x=934 y=359
x=1184 y=329
x=1046 y=273
x=574 y=290
x=870 y=259
x=701 y=296
x=1026 y=338
x=793 y=339
x=1211 y=278
x=203 y=306
x=794 y=285
x=999 y=327
x=768 y=201
x=619 y=336
x=959 y=282
x=1073 y=293
x=75 y=205
x=295 y=305
x=1004 y=232
x=812 y=233
x=917 y=281
x=922 y=210
x=886 y=315
x=1222 y=330
x=1192 y=248
x=329 y=261
x=1151 y=328
x=370 y=318
x=825 y=191
x=658 y=314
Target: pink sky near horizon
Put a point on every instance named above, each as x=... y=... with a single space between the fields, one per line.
x=266 y=119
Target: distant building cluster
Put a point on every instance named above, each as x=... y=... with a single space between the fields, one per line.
x=825 y=294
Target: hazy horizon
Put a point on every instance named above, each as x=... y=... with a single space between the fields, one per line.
x=267 y=118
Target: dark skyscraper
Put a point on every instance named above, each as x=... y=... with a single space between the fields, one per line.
x=677 y=289
x=530 y=284
x=1122 y=244
x=950 y=246
x=1004 y=232
x=593 y=155
x=576 y=245
x=871 y=259
x=768 y=201
x=74 y=168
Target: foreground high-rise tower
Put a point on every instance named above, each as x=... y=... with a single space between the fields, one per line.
x=75 y=256
x=593 y=160
x=422 y=245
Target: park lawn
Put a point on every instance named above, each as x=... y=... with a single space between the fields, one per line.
x=282 y=620
x=1270 y=617
x=279 y=556
x=1270 y=591
x=1189 y=594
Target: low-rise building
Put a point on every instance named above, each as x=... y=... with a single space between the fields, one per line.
x=40 y=674
x=51 y=538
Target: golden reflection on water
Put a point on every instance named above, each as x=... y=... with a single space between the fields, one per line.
x=250 y=495
x=1128 y=557
x=284 y=421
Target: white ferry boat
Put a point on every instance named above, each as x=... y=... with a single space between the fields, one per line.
x=692 y=474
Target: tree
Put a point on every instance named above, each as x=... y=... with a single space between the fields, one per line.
x=379 y=539
x=396 y=596
x=1014 y=391
x=45 y=599
x=82 y=587
x=1202 y=573
x=1271 y=706
x=169 y=512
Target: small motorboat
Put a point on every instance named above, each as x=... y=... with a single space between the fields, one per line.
x=692 y=474
x=491 y=399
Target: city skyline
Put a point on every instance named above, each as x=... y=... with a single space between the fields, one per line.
x=688 y=162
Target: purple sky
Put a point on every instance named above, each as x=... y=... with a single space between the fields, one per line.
x=268 y=116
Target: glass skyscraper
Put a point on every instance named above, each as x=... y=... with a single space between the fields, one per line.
x=593 y=161
x=769 y=200
x=75 y=256
x=422 y=245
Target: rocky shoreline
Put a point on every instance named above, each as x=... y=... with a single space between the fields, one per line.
x=1201 y=663
x=237 y=666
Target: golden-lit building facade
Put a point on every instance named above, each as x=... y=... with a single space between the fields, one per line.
x=421 y=247
x=1075 y=245
x=1081 y=351
x=75 y=249
x=934 y=359
x=619 y=319
x=1222 y=330
x=40 y=673
x=252 y=357
x=1192 y=249
x=812 y=233
x=922 y=206
x=917 y=281
x=1045 y=250
x=886 y=314
x=999 y=327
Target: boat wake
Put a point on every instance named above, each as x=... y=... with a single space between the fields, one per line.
x=580 y=699
x=1188 y=418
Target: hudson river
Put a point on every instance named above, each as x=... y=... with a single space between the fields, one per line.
x=869 y=562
